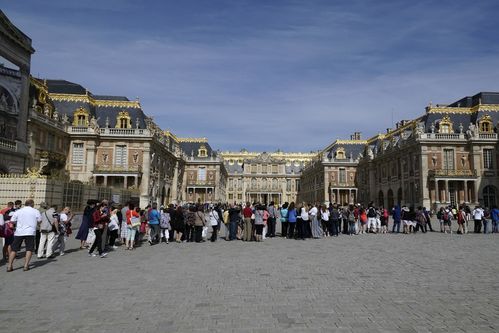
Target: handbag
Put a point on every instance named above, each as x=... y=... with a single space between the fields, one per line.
x=135 y=221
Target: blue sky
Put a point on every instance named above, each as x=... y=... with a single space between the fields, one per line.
x=268 y=75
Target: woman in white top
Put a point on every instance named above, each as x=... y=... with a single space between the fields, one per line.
x=214 y=222
x=307 y=231
x=325 y=220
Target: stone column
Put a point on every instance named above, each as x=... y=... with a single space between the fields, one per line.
x=466 y=199
x=144 y=183
x=447 y=193
x=437 y=192
x=125 y=182
x=22 y=123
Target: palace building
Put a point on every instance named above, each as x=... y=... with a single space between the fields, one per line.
x=63 y=144
x=264 y=177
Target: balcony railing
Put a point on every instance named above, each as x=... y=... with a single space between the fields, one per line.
x=7 y=144
x=117 y=168
x=124 y=131
x=452 y=173
x=489 y=136
x=81 y=129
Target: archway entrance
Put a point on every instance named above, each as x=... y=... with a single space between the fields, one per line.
x=390 y=199
x=381 y=199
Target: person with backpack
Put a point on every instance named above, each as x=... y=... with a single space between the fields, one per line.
x=351 y=220
x=199 y=223
x=384 y=216
x=62 y=225
x=461 y=220
x=447 y=218
x=259 y=222
x=371 y=218
x=47 y=230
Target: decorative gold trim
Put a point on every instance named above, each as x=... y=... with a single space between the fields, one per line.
x=123 y=115
x=461 y=110
x=80 y=112
x=486 y=120
x=202 y=151
x=95 y=102
x=340 y=153
x=446 y=121
x=193 y=140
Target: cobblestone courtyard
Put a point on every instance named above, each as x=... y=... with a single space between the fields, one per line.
x=365 y=283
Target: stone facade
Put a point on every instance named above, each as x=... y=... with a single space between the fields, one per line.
x=264 y=177
x=449 y=155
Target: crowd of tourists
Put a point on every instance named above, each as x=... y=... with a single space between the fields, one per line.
x=107 y=226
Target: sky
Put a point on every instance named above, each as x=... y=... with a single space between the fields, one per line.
x=268 y=75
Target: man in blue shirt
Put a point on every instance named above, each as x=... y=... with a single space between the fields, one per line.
x=494 y=215
x=153 y=220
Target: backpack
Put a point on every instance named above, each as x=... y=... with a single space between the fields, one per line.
x=446 y=216
x=165 y=221
x=351 y=217
x=371 y=212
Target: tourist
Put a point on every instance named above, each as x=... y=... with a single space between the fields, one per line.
x=199 y=224
x=427 y=214
x=62 y=226
x=291 y=220
x=114 y=227
x=494 y=216
x=133 y=222
x=189 y=224
x=283 y=213
x=420 y=220
x=325 y=220
x=100 y=220
x=165 y=225
x=247 y=228
x=461 y=220
x=47 y=230
x=26 y=220
x=234 y=218
x=334 y=217
x=384 y=217
x=299 y=223
x=153 y=218
x=440 y=217
x=178 y=222
x=306 y=221
x=350 y=215
x=396 y=215
x=215 y=222
x=371 y=218
x=86 y=222
x=316 y=228
x=259 y=221
x=7 y=213
x=271 y=221
x=124 y=226
x=447 y=219
x=363 y=220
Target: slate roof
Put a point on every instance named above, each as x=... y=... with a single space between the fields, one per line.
x=193 y=147
x=350 y=148
x=65 y=87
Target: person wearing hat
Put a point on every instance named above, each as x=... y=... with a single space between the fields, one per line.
x=47 y=230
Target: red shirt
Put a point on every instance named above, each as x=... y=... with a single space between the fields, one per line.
x=247 y=212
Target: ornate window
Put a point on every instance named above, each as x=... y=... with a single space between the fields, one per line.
x=123 y=120
x=485 y=124
x=202 y=174
x=80 y=118
x=340 y=153
x=488 y=159
x=78 y=153
x=445 y=125
x=203 y=152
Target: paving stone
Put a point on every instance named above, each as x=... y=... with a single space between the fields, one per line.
x=372 y=283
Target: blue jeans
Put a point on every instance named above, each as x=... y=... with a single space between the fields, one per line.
x=485 y=223
x=396 y=224
x=232 y=230
x=495 y=226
